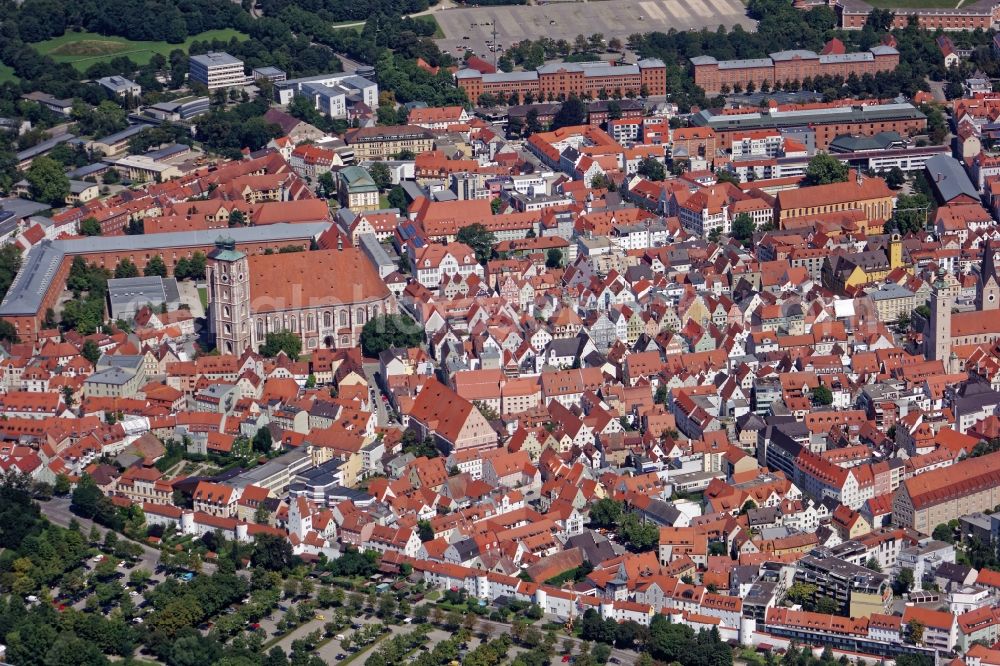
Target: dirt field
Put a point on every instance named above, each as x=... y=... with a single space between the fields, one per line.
x=566 y=20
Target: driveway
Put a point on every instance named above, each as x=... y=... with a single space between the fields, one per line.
x=371 y=369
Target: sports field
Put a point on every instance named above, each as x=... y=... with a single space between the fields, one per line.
x=83 y=49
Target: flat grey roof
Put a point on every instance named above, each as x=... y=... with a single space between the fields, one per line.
x=500 y=77
x=42 y=262
x=756 y=120
x=216 y=59
x=22 y=208
x=126 y=133
x=152 y=289
x=43 y=147
x=115 y=376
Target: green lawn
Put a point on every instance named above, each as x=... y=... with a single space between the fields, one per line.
x=6 y=73
x=203 y=296
x=913 y=4
x=83 y=49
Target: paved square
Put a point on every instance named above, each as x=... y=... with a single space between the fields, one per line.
x=566 y=20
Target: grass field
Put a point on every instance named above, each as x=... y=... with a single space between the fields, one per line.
x=913 y=4
x=83 y=49
x=6 y=73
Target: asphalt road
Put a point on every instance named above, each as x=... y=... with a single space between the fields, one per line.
x=371 y=369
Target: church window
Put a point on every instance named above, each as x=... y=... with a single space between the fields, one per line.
x=359 y=316
x=327 y=319
x=343 y=317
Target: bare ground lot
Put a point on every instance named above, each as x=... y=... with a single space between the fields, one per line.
x=566 y=20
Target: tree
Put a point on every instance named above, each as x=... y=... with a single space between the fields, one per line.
x=155 y=266
x=824 y=169
x=90 y=351
x=554 y=258
x=397 y=198
x=62 y=485
x=571 y=112
x=104 y=119
x=381 y=175
x=652 y=168
x=392 y=330
x=944 y=532
x=915 y=631
x=873 y=565
x=126 y=269
x=327 y=188
x=282 y=341
x=821 y=395
x=479 y=238
x=262 y=441
x=601 y=653
x=237 y=218
x=47 y=181
x=904 y=581
x=10 y=264
x=911 y=212
x=606 y=513
x=89 y=226
x=743 y=227
x=272 y=553
x=640 y=536
x=895 y=178
x=8 y=332
x=424 y=530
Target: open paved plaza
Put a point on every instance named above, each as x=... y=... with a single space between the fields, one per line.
x=566 y=20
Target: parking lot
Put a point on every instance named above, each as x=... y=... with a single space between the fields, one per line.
x=566 y=20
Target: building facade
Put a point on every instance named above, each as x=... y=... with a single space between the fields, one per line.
x=562 y=80
x=796 y=65
x=216 y=70
x=325 y=300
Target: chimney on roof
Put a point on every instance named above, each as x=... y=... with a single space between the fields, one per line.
x=340 y=242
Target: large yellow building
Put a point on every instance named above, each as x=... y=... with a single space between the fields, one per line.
x=845 y=272
x=868 y=195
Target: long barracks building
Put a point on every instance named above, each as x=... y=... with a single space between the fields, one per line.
x=561 y=80
x=46 y=266
x=828 y=120
x=797 y=65
x=982 y=14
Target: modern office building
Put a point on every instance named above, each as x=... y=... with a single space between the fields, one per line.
x=333 y=94
x=217 y=70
